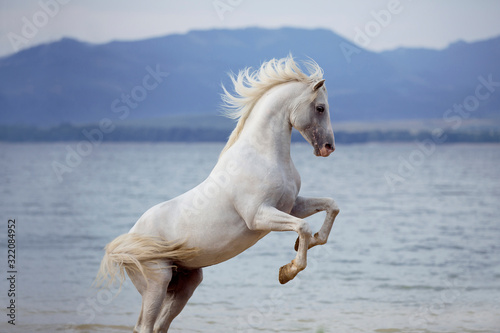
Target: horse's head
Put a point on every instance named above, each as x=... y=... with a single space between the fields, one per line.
x=311 y=118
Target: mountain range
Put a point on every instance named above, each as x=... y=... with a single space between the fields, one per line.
x=70 y=81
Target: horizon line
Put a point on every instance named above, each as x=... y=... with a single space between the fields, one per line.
x=182 y=33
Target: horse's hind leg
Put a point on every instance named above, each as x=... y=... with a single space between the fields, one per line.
x=140 y=284
x=181 y=288
x=152 y=290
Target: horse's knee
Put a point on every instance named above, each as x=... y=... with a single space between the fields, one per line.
x=303 y=229
x=334 y=208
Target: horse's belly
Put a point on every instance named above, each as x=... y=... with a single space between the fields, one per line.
x=223 y=246
x=219 y=235
x=215 y=228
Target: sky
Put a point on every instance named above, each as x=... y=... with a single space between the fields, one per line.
x=373 y=24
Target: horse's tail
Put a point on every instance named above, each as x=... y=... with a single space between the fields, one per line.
x=138 y=253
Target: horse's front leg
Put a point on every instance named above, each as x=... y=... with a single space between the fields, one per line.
x=271 y=219
x=305 y=207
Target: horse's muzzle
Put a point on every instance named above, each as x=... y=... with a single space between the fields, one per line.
x=325 y=151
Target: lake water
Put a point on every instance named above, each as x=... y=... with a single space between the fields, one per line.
x=416 y=247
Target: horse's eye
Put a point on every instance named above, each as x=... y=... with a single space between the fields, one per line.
x=320 y=108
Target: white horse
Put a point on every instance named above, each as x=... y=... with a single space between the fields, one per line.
x=252 y=190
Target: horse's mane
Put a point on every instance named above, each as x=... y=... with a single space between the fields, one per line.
x=250 y=86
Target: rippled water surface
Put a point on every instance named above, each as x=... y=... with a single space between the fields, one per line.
x=416 y=247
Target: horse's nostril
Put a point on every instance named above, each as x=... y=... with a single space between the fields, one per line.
x=328 y=146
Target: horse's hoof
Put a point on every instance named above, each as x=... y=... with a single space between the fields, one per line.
x=283 y=277
x=285 y=274
x=297 y=242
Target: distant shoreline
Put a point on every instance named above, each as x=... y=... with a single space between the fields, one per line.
x=92 y=133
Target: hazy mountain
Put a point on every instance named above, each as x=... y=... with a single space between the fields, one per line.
x=71 y=81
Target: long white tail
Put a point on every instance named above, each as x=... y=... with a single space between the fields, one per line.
x=138 y=253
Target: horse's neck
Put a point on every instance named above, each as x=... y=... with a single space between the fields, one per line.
x=268 y=126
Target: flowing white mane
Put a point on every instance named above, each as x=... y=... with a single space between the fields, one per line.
x=250 y=86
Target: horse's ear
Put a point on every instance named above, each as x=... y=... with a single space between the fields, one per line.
x=318 y=85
